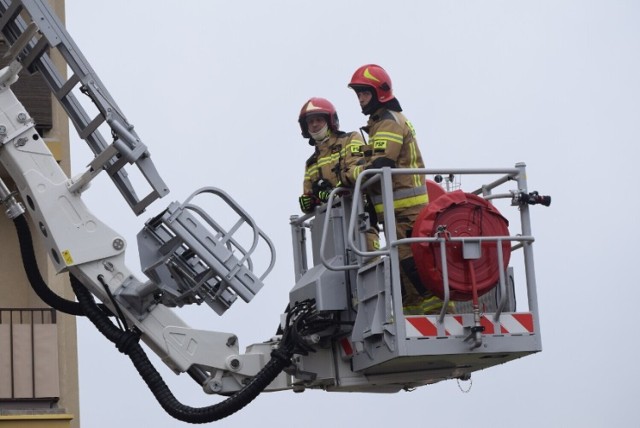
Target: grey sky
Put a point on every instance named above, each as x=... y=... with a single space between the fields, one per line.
x=214 y=89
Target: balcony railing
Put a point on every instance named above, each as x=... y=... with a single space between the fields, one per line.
x=28 y=355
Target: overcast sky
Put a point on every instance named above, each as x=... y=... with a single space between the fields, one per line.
x=214 y=89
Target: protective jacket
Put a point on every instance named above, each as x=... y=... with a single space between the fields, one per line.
x=337 y=160
x=392 y=143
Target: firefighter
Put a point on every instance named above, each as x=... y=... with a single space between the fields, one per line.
x=392 y=143
x=336 y=161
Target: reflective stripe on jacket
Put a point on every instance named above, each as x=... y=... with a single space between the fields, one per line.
x=403 y=198
x=336 y=160
x=392 y=142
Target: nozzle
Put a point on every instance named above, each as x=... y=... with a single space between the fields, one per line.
x=534 y=198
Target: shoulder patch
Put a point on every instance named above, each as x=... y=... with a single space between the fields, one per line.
x=379 y=145
x=356 y=149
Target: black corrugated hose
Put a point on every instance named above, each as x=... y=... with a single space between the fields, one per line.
x=127 y=343
x=33 y=273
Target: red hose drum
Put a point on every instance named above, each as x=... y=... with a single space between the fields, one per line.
x=434 y=190
x=463 y=215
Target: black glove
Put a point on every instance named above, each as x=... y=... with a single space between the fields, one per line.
x=307 y=202
x=323 y=195
x=321 y=189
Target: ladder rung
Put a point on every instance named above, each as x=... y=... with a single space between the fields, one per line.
x=140 y=206
x=67 y=87
x=116 y=166
x=35 y=53
x=12 y=11
x=21 y=42
x=91 y=127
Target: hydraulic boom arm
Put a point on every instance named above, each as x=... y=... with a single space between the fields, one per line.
x=187 y=255
x=346 y=326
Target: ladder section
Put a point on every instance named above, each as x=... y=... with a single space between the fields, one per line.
x=29 y=44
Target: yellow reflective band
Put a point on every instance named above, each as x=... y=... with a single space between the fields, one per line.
x=328 y=159
x=417 y=179
x=311 y=171
x=405 y=203
x=391 y=136
x=370 y=76
x=413 y=130
x=324 y=161
x=356 y=172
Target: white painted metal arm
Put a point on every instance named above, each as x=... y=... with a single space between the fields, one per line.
x=79 y=242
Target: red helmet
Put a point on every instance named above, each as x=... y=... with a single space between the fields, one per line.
x=375 y=77
x=320 y=106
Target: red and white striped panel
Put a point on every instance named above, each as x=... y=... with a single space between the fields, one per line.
x=427 y=325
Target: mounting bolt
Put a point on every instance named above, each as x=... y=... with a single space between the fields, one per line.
x=22 y=117
x=234 y=364
x=118 y=244
x=212 y=386
x=108 y=266
x=232 y=340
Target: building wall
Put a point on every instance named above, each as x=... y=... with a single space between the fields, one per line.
x=15 y=291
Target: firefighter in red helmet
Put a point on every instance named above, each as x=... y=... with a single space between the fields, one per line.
x=337 y=158
x=336 y=153
x=392 y=140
